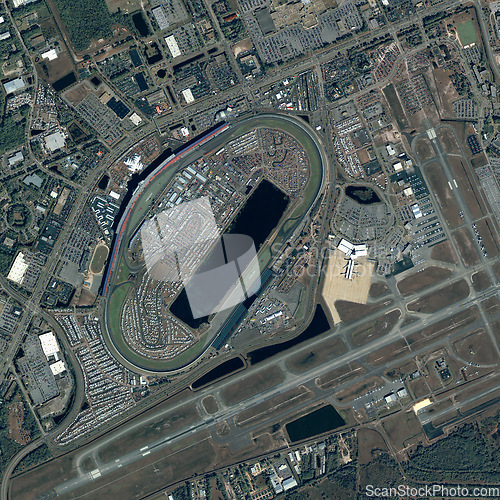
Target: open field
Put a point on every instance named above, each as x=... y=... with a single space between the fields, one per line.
x=491 y=305
x=466 y=32
x=330 y=349
x=351 y=311
x=252 y=385
x=370 y=443
x=337 y=287
x=487 y=232
x=466 y=248
x=447 y=139
x=359 y=389
x=467 y=182
x=395 y=105
x=443 y=328
x=426 y=277
x=402 y=428
x=480 y=281
x=123 y=5
x=375 y=329
x=440 y=299
x=377 y=290
x=476 y=347
x=340 y=375
x=210 y=404
x=263 y=410
x=51 y=71
x=444 y=252
x=424 y=148
x=328 y=487
x=140 y=436
x=444 y=194
x=99 y=259
x=387 y=353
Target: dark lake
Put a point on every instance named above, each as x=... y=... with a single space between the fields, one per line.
x=259 y=216
x=229 y=366
x=261 y=213
x=362 y=194
x=64 y=82
x=103 y=183
x=322 y=420
x=317 y=326
x=140 y=24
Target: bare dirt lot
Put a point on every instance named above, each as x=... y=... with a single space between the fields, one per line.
x=375 y=328
x=440 y=299
x=426 y=277
x=370 y=442
x=487 y=232
x=491 y=305
x=378 y=289
x=467 y=182
x=480 y=281
x=448 y=141
x=444 y=194
x=210 y=405
x=466 y=248
x=424 y=148
x=444 y=252
x=443 y=328
x=402 y=428
x=249 y=386
x=351 y=311
x=53 y=70
x=123 y=5
x=330 y=349
x=476 y=348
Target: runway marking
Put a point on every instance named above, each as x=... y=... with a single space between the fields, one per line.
x=449 y=184
x=146 y=453
x=455 y=182
x=145 y=448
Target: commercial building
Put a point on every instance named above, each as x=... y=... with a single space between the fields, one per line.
x=14 y=85
x=173 y=47
x=55 y=141
x=49 y=344
x=18 y=269
x=50 y=54
x=188 y=96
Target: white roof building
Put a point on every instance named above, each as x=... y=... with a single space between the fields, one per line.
x=173 y=46
x=135 y=119
x=49 y=344
x=18 y=269
x=55 y=141
x=289 y=483
x=351 y=250
x=50 y=54
x=16 y=158
x=14 y=85
x=58 y=367
x=188 y=96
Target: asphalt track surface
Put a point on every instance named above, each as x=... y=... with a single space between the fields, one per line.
x=142 y=204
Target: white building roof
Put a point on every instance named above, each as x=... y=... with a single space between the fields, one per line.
x=135 y=119
x=18 y=269
x=58 y=367
x=114 y=195
x=289 y=483
x=173 y=46
x=49 y=344
x=16 y=158
x=13 y=85
x=188 y=95
x=345 y=246
x=50 y=55
x=55 y=141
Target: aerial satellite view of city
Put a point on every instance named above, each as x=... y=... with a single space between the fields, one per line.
x=249 y=249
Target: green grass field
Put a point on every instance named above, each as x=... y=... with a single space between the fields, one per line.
x=99 y=259
x=467 y=32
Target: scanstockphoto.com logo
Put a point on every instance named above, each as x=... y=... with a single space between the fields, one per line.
x=183 y=244
x=432 y=491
